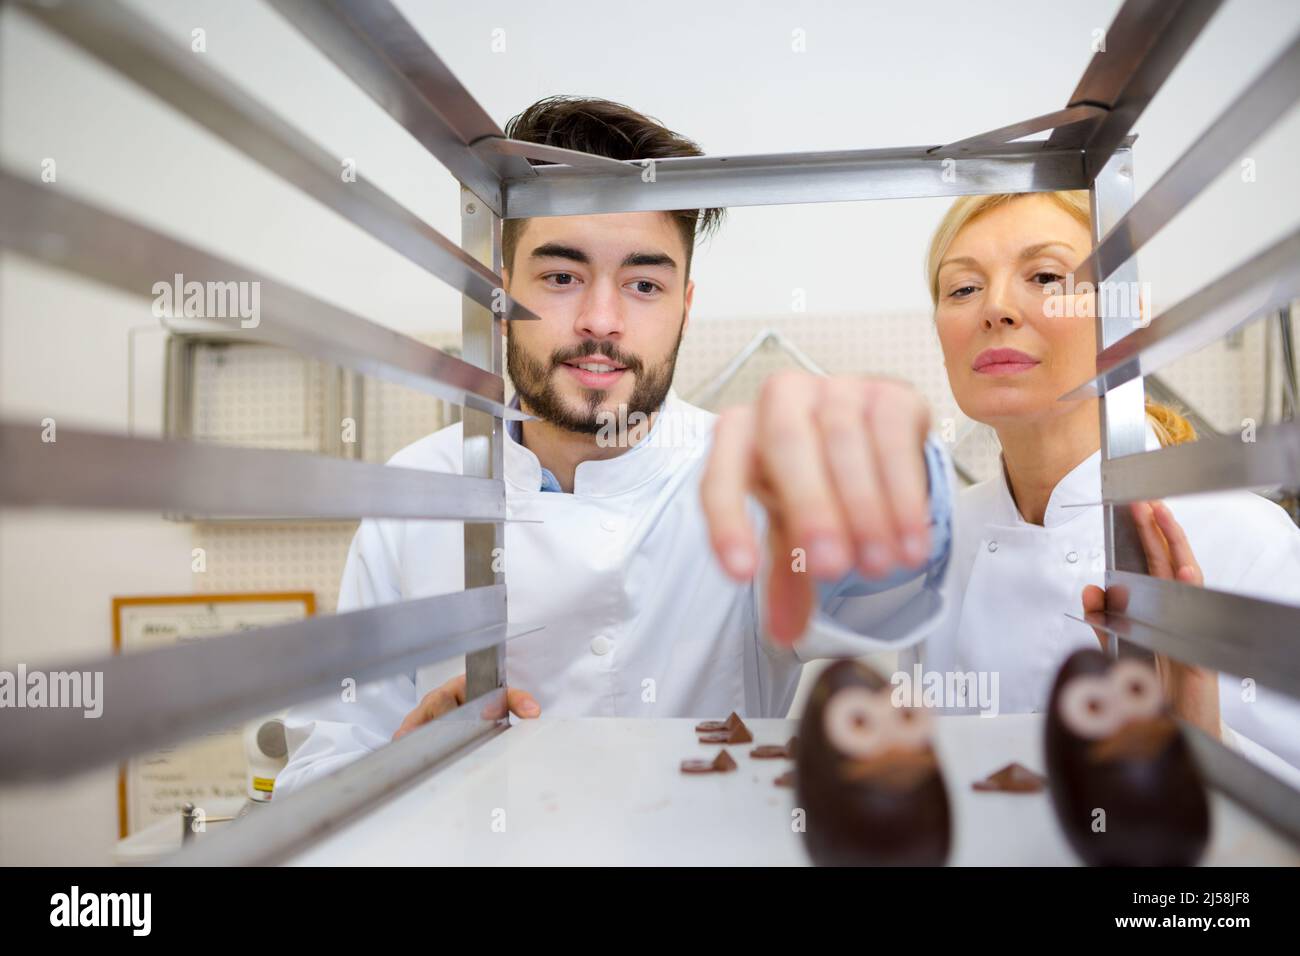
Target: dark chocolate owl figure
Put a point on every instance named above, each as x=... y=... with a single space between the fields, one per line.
x=1123 y=781
x=867 y=776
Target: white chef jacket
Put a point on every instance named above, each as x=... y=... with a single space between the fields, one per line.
x=1012 y=583
x=639 y=619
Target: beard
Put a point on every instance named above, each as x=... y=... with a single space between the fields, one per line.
x=534 y=383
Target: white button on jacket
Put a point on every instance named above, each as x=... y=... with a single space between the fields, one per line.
x=639 y=619
x=1006 y=611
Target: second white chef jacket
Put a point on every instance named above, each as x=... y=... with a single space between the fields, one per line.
x=1012 y=584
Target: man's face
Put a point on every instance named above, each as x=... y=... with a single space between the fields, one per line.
x=613 y=296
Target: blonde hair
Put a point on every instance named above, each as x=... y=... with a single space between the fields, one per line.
x=1170 y=427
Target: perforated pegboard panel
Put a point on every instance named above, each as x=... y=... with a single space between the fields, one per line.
x=1225 y=380
x=257 y=396
x=268 y=397
x=274 y=556
x=393 y=417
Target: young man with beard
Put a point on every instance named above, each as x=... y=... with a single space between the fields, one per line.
x=641 y=557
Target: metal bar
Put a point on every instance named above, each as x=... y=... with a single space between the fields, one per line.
x=1006 y=134
x=1140 y=49
x=1122 y=412
x=132 y=46
x=557 y=154
x=1265 y=282
x=153 y=698
x=54 y=465
x=1268 y=458
x=274 y=834
x=1270 y=799
x=698 y=182
x=1290 y=375
x=1247 y=118
x=384 y=55
x=1228 y=632
x=482 y=437
x=68 y=233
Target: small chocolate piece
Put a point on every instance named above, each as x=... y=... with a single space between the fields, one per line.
x=737 y=735
x=792 y=747
x=785 y=780
x=697 y=766
x=770 y=752
x=1013 y=778
x=713 y=726
x=722 y=763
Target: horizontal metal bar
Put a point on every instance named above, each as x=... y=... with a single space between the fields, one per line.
x=155 y=698
x=131 y=45
x=380 y=51
x=1247 y=118
x=1006 y=134
x=1142 y=46
x=66 y=467
x=274 y=833
x=1271 y=800
x=1264 y=283
x=699 y=182
x=1212 y=651
x=67 y=233
x=1270 y=459
x=1228 y=632
x=558 y=154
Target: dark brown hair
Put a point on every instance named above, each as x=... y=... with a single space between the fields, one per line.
x=604 y=128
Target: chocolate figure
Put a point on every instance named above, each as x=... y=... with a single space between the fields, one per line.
x=867 y=776
x=1122 y=779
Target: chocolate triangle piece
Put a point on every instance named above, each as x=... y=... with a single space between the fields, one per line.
x=785 y=780
x=1013 y=778
x=715 y=726
x=723 y=762
x=737 y=735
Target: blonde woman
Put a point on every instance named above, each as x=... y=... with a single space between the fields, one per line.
x=1028 y=542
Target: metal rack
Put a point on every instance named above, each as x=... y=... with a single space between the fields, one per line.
x=168 y=695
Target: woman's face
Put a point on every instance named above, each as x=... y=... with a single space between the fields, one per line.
x=1013 y=343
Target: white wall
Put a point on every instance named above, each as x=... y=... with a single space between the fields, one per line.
x=873 y=75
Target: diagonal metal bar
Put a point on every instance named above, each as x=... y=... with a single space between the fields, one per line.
x=135 y=48
x=558 y=154
x=1265 y=282
x=68 y=233
x=1215 y=629
x=380 y=51
x=275 y=833
x=1144 y=43
x=150 y=699
x=1268 y=798
x=55 y=465
x=1268 y=458
x=1006 y=134
x=1248 y=117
